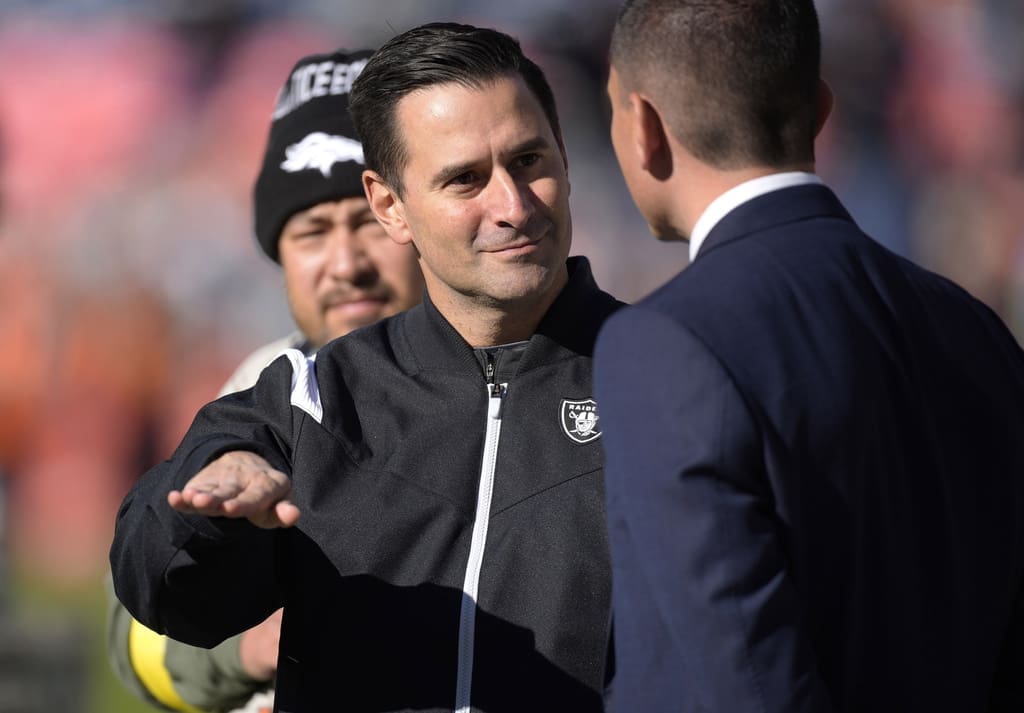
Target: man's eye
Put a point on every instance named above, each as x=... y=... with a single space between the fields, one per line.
x=528 y=159
x=464 y=179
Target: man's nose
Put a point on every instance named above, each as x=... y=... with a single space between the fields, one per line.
x=347 y=258
x=511 y=200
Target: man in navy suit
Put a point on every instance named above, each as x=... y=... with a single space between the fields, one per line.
x=815 y=473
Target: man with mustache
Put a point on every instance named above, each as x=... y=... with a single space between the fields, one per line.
x=419 y=497
x=341 y=272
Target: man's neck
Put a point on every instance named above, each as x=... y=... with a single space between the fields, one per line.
x=484 y=323
x=487 y=325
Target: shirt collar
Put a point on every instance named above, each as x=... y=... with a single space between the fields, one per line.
x=736 y=196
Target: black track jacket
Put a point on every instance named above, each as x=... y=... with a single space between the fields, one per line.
x=452 y=548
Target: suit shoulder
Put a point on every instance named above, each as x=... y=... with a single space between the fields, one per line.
x=643 y=326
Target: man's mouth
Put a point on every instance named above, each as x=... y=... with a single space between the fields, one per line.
x=514 y=246
x=517 y=243
x=356 y=305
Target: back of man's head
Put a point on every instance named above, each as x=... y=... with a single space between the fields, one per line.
x=313 y=154
x=737 y=82
x=428 y=55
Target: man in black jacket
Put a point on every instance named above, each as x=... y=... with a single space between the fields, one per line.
x=446 y=463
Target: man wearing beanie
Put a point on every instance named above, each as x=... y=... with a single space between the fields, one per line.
x=341 y=272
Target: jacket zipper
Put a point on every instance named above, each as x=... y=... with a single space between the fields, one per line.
x=471 y=583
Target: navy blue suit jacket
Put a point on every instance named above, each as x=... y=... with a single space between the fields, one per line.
x=815 y=479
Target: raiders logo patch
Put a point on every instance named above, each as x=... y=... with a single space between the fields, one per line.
x=579 y=420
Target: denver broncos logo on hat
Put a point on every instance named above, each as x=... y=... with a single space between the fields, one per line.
x=321 y=151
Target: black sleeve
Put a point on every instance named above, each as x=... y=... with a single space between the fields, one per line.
x=201 y=579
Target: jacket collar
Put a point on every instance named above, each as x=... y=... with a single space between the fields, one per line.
x=571 y=324
x=769 y=210
x=568 y=328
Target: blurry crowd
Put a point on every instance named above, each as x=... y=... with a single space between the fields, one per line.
x=927 y=145
x=130 y=135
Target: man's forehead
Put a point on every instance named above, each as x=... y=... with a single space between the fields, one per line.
x=456 y=112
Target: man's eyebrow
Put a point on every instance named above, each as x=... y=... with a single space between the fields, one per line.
x=447 y=173
x=537 y=143
x=313 y=217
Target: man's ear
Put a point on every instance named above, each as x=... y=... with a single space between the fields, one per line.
x=387 y=207
x=826 y=100
x=649 y=138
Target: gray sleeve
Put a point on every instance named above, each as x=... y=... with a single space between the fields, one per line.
x=211 y=679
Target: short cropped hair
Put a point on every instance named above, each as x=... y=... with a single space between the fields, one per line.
x=737 y=81
x=428 y=55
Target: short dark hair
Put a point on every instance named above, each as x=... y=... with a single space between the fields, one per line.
x=431 y=54
x=738 y=81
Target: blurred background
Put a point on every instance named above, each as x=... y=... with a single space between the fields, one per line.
x=131 y=285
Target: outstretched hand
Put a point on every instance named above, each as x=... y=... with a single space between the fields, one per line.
x=239 y=484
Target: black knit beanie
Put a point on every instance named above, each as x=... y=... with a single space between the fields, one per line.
x=312 y=154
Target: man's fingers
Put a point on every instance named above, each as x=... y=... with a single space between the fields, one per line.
x=287 y=513
x=211 y=499
x=239 y=485
x=192 y=501
x=261 y=494
x=282 y=514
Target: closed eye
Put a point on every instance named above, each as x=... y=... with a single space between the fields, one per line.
x=313 y=231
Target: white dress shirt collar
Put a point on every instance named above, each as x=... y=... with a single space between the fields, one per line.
x=737 y=195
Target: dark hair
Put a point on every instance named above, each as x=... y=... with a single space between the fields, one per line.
x=431 y=54
x=737 y=82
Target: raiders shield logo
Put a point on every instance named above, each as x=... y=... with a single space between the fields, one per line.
x=579 y=420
